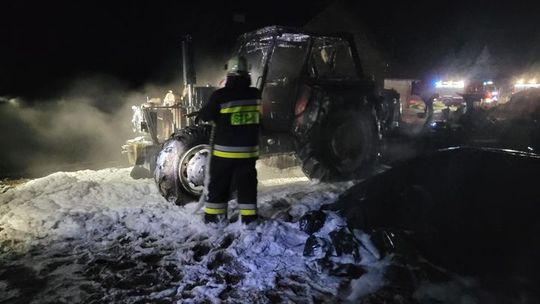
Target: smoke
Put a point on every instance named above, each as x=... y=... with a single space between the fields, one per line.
x=472 y=62
x=85 y=126
x=83 y=129
x=210 y=67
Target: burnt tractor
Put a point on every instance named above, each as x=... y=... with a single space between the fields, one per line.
x=316 y=103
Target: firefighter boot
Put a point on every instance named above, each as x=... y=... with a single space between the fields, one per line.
x=248 y=219
x=215 y=213
x=220 y=219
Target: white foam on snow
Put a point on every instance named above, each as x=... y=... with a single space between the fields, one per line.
x=102 y=234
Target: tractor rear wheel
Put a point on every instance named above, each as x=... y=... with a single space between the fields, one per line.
x=181 y=164
x=344 y=146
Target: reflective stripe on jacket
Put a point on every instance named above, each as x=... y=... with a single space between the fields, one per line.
x=235 y=151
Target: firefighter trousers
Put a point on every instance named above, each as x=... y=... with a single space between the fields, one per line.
x=228 y=175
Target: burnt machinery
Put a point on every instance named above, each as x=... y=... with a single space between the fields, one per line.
x=316 y=103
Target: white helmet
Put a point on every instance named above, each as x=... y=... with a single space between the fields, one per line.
x=237 y=65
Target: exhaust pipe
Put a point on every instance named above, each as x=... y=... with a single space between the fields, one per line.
x=188 y=70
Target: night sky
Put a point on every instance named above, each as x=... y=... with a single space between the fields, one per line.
x=47 y=44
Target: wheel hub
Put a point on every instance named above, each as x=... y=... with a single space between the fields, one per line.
x=196 y=168
x=192 y=168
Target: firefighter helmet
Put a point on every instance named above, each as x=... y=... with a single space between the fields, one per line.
x=237 y=65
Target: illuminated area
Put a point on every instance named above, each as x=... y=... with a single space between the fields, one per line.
x=491 y=92
x=459 y=84
x=522 y=84
x=448 y=96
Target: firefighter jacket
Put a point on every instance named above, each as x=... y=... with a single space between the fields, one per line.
x=235 y=109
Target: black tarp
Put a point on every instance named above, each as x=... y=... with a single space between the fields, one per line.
x=473 y=211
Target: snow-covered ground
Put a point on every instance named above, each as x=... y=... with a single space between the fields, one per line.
x=102 y=237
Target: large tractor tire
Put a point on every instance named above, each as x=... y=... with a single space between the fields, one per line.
x=181 y=164
x=343 y=146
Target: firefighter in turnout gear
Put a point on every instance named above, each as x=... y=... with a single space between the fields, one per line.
x=235 y=110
